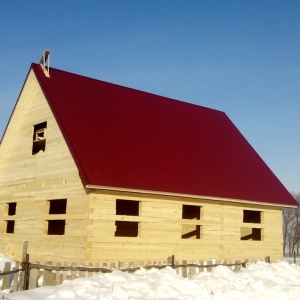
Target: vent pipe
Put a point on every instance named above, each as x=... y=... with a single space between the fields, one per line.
x=45 y=63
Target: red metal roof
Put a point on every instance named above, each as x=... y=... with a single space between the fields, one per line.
x=125 y=138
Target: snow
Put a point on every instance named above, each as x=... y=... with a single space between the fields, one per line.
x=279 y=280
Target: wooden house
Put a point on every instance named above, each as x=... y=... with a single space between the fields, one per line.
x=96 y=172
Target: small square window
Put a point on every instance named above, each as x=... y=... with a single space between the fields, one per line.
x=56 y=227
x=127 y=207
x=11 y=208
x=191 y=212
x=58 y=206
x=127 y=229
x=252 y=234
x=10 y=226
x=190 y=231
x=252 y=216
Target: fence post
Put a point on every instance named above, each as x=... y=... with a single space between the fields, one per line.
x=184 y=269
x=6 y=278
x=210 y=263
x=16 y=285
x=33 y=278
x=22 y=277
x=237 y=266
x=26 y=273
x=173 y=261
x=47 y=275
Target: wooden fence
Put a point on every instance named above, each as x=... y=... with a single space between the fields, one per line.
x=27 y=275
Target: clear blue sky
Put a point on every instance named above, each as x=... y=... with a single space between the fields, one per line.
x=241 y=57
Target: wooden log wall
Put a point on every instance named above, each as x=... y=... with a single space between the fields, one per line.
x=31 y=181
x=160 y=229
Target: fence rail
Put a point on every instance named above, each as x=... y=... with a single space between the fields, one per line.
x=27 y=275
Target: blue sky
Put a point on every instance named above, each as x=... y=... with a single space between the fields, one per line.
x=241 y=57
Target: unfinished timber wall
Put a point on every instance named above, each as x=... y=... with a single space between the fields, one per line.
x=33 y=180
x=155 y=226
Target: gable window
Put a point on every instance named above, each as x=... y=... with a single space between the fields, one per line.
x=190 y=230
x=39 y=138
x=253 y=219
x=56 y=226
x=127 y=228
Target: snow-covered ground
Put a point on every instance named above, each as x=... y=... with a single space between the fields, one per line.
x=263 y=281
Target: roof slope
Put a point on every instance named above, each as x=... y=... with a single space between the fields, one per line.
x=125 y=138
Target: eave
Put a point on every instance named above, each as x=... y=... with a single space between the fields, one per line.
x=168 y=194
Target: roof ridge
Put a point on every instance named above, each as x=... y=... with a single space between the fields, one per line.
x=131 y=88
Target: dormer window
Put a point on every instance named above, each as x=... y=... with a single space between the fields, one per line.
x=39 y=138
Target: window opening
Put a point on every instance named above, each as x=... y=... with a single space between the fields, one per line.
x=252 y=216
x=190 y=231
x=11 y=208
x=127 y=229
x=56 y=227
x=127 y=207
x=191 y=212
x=58 y=206
x=248 y=233
x=252 y=234
x=39 y=138
x=10 y=226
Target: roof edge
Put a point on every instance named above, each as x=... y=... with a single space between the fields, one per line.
x=35 y=67
x=160 y=193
